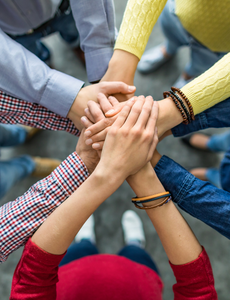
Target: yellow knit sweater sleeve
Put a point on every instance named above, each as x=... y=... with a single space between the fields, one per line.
x=139 y=18
x=211 y=87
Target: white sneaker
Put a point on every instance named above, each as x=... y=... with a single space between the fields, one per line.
x=181 y=82
x=152 y=59
x=87 y=231
x=133 y=228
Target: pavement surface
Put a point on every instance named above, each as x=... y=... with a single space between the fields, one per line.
x=108 y=227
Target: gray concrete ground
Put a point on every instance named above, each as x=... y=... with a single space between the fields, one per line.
x=108 y=216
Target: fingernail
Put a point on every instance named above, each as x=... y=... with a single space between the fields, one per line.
x=86 y=110
x=84 y=120
x=96 y=146
x=89 y=142
x=131 y=88
x=88 y=133
x=111 y=111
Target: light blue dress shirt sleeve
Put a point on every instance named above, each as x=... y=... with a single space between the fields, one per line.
x=25 y=76
x=95 y=21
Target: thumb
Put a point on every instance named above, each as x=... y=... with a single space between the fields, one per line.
x=116 y=87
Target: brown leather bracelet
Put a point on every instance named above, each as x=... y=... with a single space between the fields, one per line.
x=167 y=94
x=174 y=89
x=167 y=199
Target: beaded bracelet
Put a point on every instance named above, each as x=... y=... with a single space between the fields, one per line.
x=174 y=89
x=166 y=200
x=168 y=94
x=182 y=105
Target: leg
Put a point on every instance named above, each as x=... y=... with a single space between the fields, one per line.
x=172 y=28
x=65 y=25
x=12 y=135
x=225 y=172
x=219 y=142
x=138 y=255
x=78 y=250
x=13 y=170
x=201 y=58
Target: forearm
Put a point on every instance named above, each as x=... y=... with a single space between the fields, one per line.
x=16 y=111
x=58 y=231
x=38 y=203
x=177 y=238
x=200 y=199
x=47 y=87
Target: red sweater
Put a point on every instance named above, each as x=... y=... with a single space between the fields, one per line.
x=105 y=277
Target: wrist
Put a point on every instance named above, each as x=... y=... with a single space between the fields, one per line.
x=169 y=116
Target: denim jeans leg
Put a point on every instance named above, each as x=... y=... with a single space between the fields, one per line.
x=201 y=58
x=78 y=250
x=11 y=171
x=12 y=135
x=225 y=171
x=219 y=142
x=138 y=255
x=65 y=25
x=176 y=35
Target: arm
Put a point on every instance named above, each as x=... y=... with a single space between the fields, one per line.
x=123 y=146
x=47 y=87
x=188 y=260
x=96 y=26
x=16 y=111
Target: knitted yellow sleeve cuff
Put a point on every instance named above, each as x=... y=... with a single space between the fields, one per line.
x=211 y=87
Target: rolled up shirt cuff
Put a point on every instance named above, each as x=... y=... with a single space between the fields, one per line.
x=60 y=92
x=97 y=62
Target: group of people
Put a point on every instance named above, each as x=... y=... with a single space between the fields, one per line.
x=118 y=134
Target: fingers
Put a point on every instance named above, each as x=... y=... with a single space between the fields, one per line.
x=86 y=122
x=135 y=112
x=113 y=100
x=98 y=146
x=97 y=137
x=114 y=87
x=121 y=119
x=105 y=104
x=94 y=112
x=145 y=113
x=153 y=117
x=101 y=125
x=117 y=108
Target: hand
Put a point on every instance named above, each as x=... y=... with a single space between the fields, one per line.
x=90 y=93
x=122 y=67
x=97 y=132
x=131 y=140
x=89 y=156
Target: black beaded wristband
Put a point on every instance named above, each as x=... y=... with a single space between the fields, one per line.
x=182 y=105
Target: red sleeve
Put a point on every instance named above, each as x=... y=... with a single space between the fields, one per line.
x=194 y=280
x=36 y=274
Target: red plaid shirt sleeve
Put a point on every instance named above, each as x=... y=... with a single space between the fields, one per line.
x=16 y=111
x=21 y=218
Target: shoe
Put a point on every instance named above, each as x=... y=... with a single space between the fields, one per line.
x=181 y=82
x=203 y=139
x=44 y=166
x=133 y=229
x=152 y=60
x=31 y=131
x=87 y=231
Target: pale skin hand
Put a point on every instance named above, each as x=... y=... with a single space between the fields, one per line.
x=124 y=153
x=169 y=117
x=90 y=93
x=122 y=67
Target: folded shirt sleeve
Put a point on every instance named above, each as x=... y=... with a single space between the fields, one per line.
x=194 y=280
x=16 y=111
x=21 y=218
x=25 y=76
x=36 y=274
x=199 y=198
x=96 y=27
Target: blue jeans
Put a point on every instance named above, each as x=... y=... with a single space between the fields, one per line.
x=201 y=58
x=86 y=247
x=13 y=170
x=214 y=117
x=63 y=23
